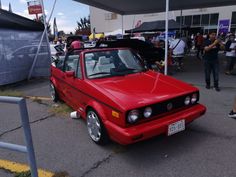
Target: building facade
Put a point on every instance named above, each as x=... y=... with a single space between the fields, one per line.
x=206 y=19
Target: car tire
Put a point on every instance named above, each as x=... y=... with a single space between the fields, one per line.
x=53 y=93
x=96 y=129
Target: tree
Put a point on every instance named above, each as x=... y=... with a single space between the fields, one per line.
x=83 y=26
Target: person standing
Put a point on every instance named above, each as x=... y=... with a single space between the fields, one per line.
x=230 y=48
x=232 y=114
x=211 y=61
x=199 y=45
x=177 y=47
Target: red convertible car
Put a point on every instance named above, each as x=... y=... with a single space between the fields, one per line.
x=121 y=99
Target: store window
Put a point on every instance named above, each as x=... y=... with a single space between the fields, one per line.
x=205 y=19
x=233 y=20
x=196 y=20
x=214 y=19
x=188 y=20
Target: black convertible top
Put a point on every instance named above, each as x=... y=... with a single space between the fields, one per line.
x=147 y=51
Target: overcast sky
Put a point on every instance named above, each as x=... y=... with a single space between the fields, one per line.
x=67 y=12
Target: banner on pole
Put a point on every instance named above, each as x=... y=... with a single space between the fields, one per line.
x=34 y=7
x=223 y=26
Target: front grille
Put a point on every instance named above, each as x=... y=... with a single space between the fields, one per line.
x=160 y=109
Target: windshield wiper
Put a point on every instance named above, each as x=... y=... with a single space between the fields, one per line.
x=125 y=69
x=99 y=73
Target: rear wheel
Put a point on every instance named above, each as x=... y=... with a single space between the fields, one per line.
x=96 y=129
x=53 y=93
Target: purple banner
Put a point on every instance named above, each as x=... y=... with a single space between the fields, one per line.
x=224 y=26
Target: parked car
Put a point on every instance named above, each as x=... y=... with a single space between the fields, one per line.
x=119 y=98
x=89 y=44
x=28 y=51
x=148 y=52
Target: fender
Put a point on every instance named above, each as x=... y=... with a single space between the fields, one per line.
x=53 y=81
x=98 y=108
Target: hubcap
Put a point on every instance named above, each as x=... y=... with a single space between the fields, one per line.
x=94 y=127
x=52 y=91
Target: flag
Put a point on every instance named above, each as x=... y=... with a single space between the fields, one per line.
x=10 y=9
x=55 y=29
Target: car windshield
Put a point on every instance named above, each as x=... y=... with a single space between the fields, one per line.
x=112 y=63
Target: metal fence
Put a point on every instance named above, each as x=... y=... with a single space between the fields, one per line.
x=29 y=148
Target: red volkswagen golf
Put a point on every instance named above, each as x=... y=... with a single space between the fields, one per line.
x=119 y=98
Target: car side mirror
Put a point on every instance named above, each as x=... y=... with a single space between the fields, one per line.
x=70 y=73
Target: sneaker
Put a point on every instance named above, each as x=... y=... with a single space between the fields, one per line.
x=208 y=86
x=232 y=114
x=217 y=89
x=227 y=73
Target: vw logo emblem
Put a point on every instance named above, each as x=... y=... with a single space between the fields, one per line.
x=169 y=106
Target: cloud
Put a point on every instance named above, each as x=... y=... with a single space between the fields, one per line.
x=4 y=7
x=23 y=1
x=65 y=25
x=60 y=14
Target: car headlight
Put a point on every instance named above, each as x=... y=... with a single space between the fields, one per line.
x=194 y=98
x=133 y=116
x=147 y=112
x=187 y=100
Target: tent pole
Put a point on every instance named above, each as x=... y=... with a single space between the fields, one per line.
x=166 y=36
x=180 y=25
x=45 y=33
x=122 y=21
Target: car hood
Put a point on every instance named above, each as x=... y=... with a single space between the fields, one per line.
x=141 y=89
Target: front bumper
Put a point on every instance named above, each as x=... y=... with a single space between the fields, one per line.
x=155 y=127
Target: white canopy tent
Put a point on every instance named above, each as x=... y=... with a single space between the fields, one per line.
x=129 y=7
x=115 y=32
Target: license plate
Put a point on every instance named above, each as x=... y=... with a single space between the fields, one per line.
x=176 y=127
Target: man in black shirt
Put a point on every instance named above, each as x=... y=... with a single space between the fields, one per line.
x=211 y=48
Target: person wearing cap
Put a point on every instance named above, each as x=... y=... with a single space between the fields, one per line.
x=211 y=49
x=230 y=48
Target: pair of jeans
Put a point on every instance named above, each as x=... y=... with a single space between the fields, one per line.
x=230 y=63
x=212 y=66
x=199 y=50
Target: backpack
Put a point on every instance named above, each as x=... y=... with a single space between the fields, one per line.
x=227 y=46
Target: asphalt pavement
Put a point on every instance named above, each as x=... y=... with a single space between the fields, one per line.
x=205 y=149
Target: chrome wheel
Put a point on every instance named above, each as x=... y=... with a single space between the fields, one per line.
x=94 y=126
x=53 y=93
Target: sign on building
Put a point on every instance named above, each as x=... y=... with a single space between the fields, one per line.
x=224 y=26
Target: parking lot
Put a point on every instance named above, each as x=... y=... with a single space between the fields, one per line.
x=205 y=149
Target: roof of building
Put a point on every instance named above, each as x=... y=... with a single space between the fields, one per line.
x=128 y=7
x=10 y=20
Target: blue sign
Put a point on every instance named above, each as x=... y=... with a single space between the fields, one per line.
x=224 y=26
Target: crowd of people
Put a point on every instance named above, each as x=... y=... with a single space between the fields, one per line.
x=207 y=49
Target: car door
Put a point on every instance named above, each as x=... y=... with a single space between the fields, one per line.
x=72 y=79
x=57 y=73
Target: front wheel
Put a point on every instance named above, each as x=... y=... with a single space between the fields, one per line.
x=96 y=129
x=53 y=93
